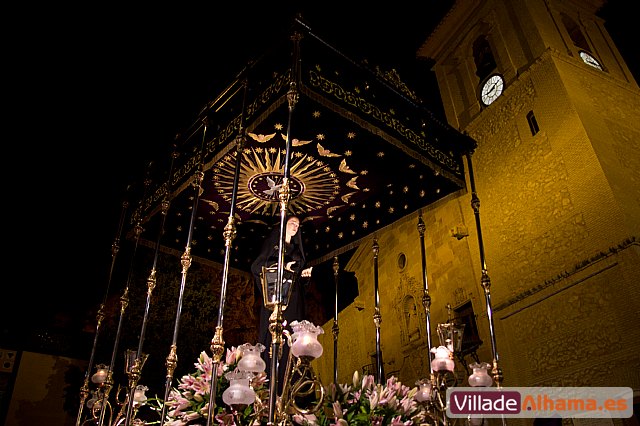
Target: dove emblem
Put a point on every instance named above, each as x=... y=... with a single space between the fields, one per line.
x=273 y=188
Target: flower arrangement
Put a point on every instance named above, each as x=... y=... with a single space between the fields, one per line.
x=363 y=402
x=188 y=403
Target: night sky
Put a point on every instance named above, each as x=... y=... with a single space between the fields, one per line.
x=96 y=94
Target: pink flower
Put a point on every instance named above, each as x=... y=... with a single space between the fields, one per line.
x=178 y=402
x=332 y=391
x=225 y=419
x=305 y=419
x=408 y=404
x=373 y=399
x=259 y=380
x=397 y=421
x=337 y=410
x=392 y=402
x=221 y=369
x=368 y=382
x=356 y=379
x=204 y=365
x=191 y=416
x=233 y=355
x=186 y=382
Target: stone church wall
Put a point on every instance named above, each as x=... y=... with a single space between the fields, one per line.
x=560 y=240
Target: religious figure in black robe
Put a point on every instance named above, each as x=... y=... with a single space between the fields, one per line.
x=294 y=274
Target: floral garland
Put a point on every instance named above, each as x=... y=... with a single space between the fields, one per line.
x=363 y=402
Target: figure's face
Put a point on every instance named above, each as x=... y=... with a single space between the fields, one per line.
x=292 y=226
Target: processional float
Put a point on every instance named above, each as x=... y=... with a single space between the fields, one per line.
x=304 y=130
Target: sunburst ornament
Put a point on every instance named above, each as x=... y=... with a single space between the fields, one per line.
x=311 y=184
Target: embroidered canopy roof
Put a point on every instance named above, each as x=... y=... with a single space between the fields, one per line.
x=364 y=153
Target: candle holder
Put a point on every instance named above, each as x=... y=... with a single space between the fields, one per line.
x=139 y=395
x=124 y=396
x=101 y=374
x=442 y=360
x=302 y=392
x=102 y=378
x=251 y=360
x=480 y=376
x=432 y=391
x=239 y=393
x=305 y=339
x=424 y=390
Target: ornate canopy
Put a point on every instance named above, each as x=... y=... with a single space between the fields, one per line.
x=364 y=153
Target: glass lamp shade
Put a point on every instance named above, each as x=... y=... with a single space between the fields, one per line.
x=239 y=392
x=139 y=396
x=92 y=400
x=305 y=339
x=480 y=376
x=100 y=376
x=442 y=359
x=251 y=360
x=424 y=391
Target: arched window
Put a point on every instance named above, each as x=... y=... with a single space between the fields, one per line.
x=577 y=37
x=483 y=57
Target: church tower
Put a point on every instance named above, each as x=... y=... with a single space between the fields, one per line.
x=542 y=88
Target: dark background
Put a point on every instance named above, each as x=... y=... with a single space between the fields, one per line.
x=95 y=93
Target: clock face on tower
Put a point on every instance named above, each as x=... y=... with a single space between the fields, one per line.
x=491 y=89
x=589 y=59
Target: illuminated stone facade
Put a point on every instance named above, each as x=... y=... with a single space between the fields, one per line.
x=560 y=212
